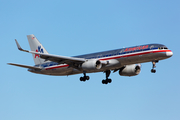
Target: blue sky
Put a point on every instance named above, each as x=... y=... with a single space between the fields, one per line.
x=71 y=28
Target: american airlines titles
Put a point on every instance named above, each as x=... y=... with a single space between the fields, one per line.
x=136 y=48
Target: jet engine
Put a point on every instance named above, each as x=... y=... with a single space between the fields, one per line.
x=91 y=65
x=130 y=70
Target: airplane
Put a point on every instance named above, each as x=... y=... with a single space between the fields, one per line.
x=125 y=60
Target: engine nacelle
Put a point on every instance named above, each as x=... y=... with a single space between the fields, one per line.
x=91 y=65
x=130 y=70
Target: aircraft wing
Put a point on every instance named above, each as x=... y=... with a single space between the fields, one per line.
x=55 y=58
x=25 y=66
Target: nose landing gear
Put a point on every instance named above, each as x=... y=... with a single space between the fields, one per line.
x=154 y=65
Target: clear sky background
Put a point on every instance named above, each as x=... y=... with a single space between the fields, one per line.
x=75 y=27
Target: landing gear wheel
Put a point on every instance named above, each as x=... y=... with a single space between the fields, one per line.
x=153 y=70
x=87 y=77
x=82 y=79
x=104 y=82
x=109 y=80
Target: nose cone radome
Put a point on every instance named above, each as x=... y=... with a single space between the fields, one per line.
x=169 y=53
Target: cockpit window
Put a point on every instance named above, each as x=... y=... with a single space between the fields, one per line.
x=162 y=48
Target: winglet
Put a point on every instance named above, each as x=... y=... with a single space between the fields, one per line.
x=19 y=47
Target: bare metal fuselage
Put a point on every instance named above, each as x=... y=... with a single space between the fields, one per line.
x=114 y=62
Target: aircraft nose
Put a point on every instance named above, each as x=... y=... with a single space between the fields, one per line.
x=169 y=53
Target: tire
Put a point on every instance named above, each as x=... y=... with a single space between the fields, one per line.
x=82 y=79
x=103 y=81
x=109 y=80
x=153 y=70
x=87 y=77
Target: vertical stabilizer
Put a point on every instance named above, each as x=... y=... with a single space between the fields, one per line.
x=35 y=45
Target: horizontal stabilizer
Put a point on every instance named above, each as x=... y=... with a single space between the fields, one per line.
x=25 y=66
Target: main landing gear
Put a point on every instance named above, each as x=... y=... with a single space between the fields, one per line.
x=154 y=65
x=107 y=80
x=84 y=78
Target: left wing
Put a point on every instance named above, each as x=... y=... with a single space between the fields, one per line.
x=55 y=58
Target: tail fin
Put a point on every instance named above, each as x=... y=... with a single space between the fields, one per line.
x=35 y=45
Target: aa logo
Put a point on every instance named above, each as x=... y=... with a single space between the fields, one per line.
x=39 y=50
